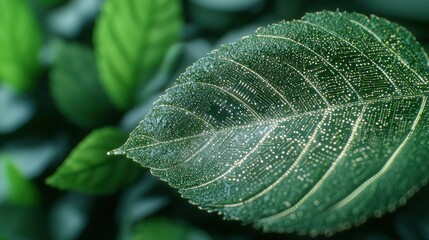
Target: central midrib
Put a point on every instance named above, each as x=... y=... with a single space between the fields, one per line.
x=279 y=120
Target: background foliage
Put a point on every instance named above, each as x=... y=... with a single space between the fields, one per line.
x=59 y=114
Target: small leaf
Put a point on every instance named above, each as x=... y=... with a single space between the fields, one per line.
x=161 y=228
x=311 y=126
x=131 y=39
x=20 y=41
x=76 y=88
x=88 y=168
x=21 y=191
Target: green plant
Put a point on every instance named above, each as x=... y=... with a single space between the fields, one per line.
x=310 y=126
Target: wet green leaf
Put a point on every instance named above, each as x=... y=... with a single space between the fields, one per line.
x=88 y=168
x=20 y=41
x=310 y=126
x=76 y=89
x=131 y=39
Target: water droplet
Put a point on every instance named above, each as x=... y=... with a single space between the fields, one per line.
x=118 y=151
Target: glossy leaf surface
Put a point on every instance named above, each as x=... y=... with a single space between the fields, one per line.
x=311 y=126
x=131 y=38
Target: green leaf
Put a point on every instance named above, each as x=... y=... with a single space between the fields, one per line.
x=131 y=39
x=20 y=41
x=88 y=169
x=76 y=89
x=22 y=192
x=166 y=229
x=310 y=126
x=18 y=222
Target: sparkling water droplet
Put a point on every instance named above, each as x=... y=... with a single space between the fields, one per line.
x=118 y=151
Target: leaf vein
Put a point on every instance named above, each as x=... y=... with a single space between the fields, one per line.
x=186 y=111
x=314 y=189
x=311 y=83
x=315 y=53
x=274 y=121
x=189 y=158
x=238 y=163
x=283 y=97
x=353 y=46
x=257 y=115
x=288 y=171
x=384 y=169
x=388 y=47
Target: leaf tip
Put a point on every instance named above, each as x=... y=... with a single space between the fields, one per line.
x=118 y=151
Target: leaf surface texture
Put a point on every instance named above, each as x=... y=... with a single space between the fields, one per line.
x=311 y=126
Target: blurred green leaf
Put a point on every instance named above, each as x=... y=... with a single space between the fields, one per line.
x=88 y=169
x=15 y=109
x=76 y=89
x=167 y=229
x=134 y=205
x=20 y=41
x=131 y=39
x=21 y=223
x=163 y=75
x=69 y=216
x=33 y=154
x=21 y=191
